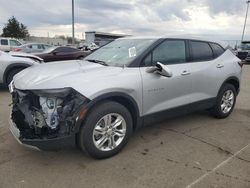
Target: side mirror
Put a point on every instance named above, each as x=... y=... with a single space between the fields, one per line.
x=160 y=69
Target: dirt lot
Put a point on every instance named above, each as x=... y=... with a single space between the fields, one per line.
x=192 y=151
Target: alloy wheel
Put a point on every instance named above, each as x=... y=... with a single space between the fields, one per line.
x=109 y=132
x=227 y=101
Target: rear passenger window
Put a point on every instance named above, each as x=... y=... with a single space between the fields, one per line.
x=217 y=49
x=201 y=51
x=4 y=42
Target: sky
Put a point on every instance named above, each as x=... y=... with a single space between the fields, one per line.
x=221 y=18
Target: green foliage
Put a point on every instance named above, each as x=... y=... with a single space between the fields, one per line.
x=15 y=29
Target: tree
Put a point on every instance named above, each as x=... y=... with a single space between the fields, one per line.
x=15 y=29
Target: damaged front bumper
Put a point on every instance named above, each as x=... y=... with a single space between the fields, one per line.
x=42 y=144
x=47 y=119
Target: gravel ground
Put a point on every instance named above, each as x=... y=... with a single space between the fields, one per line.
x=191 y=151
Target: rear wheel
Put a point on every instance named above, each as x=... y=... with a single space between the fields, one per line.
x=106 y=130
x=11 y=74
x=225 y=101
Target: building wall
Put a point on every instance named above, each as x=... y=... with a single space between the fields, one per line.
x=89 y=37
x=100 y=38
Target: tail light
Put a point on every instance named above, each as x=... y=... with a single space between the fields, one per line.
x=16 y=49
x=241 y=64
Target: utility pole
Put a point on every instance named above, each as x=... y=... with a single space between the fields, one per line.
x=245 y=21
x=73 y=22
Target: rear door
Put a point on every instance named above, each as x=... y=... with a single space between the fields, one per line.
x=207 y=69
x=161 y=93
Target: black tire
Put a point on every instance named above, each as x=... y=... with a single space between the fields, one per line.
x=217 y=111
x=11 y=74
x=85 y=136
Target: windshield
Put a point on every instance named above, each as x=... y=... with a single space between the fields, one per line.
x=48 y=50
x=120 y=52
x=245 y=46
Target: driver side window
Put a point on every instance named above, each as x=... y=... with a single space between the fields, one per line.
x=168 y=52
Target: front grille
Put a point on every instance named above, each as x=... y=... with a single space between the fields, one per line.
x=242 y=55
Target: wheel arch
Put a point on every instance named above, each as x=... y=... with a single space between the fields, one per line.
x=234 y=81
x=12 y=67
x=123 y=99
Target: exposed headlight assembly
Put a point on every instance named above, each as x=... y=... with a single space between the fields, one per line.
x=50 y=110
x=57 y=105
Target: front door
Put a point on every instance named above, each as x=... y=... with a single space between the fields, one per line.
x=162 y=93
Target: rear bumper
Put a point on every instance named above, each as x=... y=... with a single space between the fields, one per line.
x=42 y=144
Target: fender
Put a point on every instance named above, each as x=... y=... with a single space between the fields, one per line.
x=11 y=66
x=137 y=120
x=231 y=78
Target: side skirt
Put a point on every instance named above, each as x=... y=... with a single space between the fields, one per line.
x=178 y=111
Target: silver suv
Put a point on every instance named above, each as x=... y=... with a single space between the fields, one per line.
x=100 y=101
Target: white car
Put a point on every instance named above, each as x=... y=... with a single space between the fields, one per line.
x=12 y=63
x=6 y=44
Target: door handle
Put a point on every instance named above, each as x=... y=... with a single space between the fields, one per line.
x=184 y=73
x=219 y=66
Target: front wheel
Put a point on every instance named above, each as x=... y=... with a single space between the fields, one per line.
x=225 y=101
x=106 y=130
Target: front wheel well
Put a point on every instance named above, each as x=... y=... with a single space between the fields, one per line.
x=129 y=104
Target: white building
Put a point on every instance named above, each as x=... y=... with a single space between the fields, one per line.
x=101 y=38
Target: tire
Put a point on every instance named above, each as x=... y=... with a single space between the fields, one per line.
x=95 y=131
x=11 y=74
x=224 y=111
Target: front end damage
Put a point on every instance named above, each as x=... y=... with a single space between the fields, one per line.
x=47 y=119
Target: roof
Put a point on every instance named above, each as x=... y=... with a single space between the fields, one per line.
x=31 y=43
x=190 y=37
x=9 y=38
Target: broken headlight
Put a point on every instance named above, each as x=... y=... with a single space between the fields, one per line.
x=47 y=113
x=50 y=108
x=57 y=105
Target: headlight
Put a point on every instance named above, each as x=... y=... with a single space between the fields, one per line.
x=53 y=93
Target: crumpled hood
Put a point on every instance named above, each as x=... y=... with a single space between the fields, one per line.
x=63 y=74
x=25 y=55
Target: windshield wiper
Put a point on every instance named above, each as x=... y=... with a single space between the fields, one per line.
x=97 y=61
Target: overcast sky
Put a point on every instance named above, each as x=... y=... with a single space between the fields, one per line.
x=223 y=18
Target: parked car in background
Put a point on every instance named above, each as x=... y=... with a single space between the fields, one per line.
x=61 y=54
x=7 y=44
x=92 y=47
x=100 y=101
x=31 y=48
x=11 y=64
x=243 y=50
